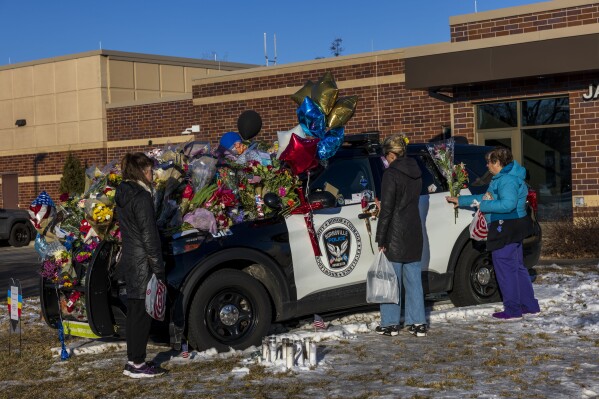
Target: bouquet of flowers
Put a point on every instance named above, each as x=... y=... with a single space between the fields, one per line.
x=58 y=267
x=257 y=180
x=456 y=175
x=99 y=216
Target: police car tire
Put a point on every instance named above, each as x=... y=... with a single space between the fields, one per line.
x=19 y=235
x=472 y=267
x=204 y=330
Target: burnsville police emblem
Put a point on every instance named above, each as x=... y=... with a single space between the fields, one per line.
x=342 y=247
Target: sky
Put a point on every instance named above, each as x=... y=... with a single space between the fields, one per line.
x=466 y=354
x=230 y=31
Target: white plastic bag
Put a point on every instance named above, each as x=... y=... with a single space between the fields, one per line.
x=381 y=281
x=478 y=227
x=156 y=298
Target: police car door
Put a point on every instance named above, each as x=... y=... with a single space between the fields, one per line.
x=347 y=249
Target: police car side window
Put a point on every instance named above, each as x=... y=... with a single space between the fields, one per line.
x=348 y=176
x=430 y=181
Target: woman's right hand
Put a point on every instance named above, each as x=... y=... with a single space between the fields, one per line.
x=452 y=200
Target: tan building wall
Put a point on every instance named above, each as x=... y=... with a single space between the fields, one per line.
x=64 y=101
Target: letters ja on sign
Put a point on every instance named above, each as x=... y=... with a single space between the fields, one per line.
x=593 y=93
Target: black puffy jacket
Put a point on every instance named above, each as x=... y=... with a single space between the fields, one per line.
x=142 y=253
x=399 y=228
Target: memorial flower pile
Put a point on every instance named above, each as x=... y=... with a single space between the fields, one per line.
x=195 y=186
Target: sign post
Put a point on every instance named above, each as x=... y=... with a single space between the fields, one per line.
x=15 y=305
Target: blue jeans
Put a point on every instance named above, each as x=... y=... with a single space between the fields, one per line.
x=411 y=275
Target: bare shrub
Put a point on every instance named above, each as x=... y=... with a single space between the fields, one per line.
x=575 y=239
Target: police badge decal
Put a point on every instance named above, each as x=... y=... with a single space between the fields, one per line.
x=341 y=245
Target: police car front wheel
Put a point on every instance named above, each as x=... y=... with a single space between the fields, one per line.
x=229 y=309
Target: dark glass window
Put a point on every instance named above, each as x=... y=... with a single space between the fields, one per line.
x=478 y=173
x=547 y=111
x=348 y=176
x=547 y=159
x=431 y=178
x=498 y=115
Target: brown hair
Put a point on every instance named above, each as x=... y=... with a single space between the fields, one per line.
x=501 y=154
x=133 y=165
x=395 y=144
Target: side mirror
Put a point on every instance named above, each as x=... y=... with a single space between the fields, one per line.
x=327 y=199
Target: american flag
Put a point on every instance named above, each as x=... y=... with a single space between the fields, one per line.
x=319 y=323
x=43 y=199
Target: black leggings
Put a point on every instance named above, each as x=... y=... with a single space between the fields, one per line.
x=138 y=330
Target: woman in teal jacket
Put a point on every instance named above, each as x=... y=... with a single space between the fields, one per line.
x=504 y=206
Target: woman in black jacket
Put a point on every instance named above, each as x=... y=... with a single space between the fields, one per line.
x=141 y=257
x=399 y=235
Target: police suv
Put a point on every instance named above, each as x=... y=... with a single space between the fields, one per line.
x=227 y=291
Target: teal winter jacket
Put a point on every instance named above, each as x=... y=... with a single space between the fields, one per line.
x=508 y=192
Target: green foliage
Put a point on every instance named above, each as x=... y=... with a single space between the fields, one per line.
x=73 y=176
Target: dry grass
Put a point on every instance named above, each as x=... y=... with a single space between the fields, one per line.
x=568 y=239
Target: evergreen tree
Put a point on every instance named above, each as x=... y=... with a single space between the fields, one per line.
x=73 y=175
x=336 y=48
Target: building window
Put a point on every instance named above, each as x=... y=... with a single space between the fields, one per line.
x=546 y=111
x=497 y=115
x=538 y=132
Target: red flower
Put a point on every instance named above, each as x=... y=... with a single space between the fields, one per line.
x=64 y=197
x=269 y=167
x=188 y=192
x=228 y=199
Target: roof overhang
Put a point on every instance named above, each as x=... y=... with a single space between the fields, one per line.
x=539 y=58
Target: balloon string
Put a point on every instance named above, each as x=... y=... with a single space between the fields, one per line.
x=376 y=80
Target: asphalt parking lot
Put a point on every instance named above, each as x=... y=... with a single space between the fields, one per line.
x=19 y=263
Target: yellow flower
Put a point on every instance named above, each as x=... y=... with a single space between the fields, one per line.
x=406 y=140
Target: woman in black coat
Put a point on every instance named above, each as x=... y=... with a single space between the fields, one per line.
x=399 y=235
x=141 y=257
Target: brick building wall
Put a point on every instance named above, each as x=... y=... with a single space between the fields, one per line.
x=525 y=23
x=149 y=120
x=389 y=108
x=36 y=166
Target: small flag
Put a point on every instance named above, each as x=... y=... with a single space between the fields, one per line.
x=319 y=323
x=184 y=350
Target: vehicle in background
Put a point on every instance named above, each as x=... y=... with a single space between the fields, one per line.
x=16 y=227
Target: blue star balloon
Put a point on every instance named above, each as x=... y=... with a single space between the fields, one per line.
x=328 y=146
x=311 y=118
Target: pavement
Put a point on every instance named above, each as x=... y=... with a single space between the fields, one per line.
x=19 y=263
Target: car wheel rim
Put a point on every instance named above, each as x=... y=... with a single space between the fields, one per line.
x=482 y=278
x=230 y=316
x=21 y=236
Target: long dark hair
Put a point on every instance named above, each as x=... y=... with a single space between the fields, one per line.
x=133 y=165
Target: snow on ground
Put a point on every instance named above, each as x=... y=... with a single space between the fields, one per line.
x=466 y=354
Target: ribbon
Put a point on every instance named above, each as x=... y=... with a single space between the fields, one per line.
x=305 y=209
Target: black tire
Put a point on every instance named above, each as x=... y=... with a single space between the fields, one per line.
x=19 y=235
x=229 y=309
x=474 y=280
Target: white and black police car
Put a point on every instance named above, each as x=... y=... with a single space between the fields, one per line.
x=227 y=291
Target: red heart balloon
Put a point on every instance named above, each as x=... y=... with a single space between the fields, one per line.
x=300 y=154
